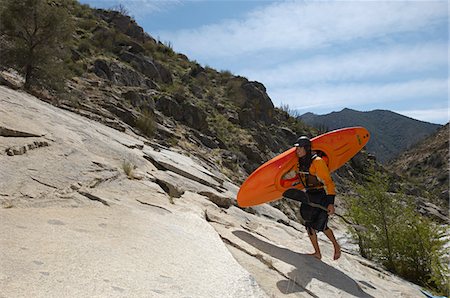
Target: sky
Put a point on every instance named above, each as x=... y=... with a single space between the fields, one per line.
x=315 y=56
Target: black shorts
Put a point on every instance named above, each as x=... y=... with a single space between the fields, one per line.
x=314 y=217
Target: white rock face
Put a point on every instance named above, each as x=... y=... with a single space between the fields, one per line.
x=87 y=211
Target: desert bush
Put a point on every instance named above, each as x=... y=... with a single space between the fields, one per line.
x=122 y=9
x=226 y=73
x=292 y=112
x=82 y=11
x=128 y=168
x=104 y=39
x=76 y=68
x=223 y=128
x=146 y=124
x=87 y=24
x=85 y=46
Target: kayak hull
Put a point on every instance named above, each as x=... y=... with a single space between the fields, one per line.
x=265 y=184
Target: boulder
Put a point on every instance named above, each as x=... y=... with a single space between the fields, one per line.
x=125 y=114
x=254 y=155
x=252 y=99
x=120 y=74
x=132 y=46
x=143 y=101
x=169 y=107
x=124 y=24
x=151 y=69
x=288 y=134
x=186 y=112
x=194 y=116
x=221 y=201
x=205 y=139
x=11 y=78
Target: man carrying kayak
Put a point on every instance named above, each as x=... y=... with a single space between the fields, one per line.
x=317 y=197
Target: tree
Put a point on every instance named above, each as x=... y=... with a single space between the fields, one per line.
x=397 y=236
x=35 y=33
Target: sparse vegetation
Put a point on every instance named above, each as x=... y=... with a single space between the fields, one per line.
x=121 y=9
x=128 y=168
x=87 y=24
x=226 y=131
x=292 y=112
x=226 y=73
x=82 y=11
x=7 y=204
x=85 y=46
x=146 y=124
x=397 y=236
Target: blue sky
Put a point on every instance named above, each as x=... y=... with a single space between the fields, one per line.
x=316 y=56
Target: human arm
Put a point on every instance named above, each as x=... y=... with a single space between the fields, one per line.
x=323 y=174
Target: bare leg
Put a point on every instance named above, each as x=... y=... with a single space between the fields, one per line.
x=337 y=248
x=313 y=237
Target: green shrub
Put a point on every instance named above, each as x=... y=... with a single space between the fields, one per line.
x=397 y=236
x=76 y=68
x=146 y=124
x=82 y=11
x=223 y=128
x=85 y=46
x=104 y=39
x=38 y=56
x=87 y=24
x=226 y=74
x=150 y=47
x=166 y=49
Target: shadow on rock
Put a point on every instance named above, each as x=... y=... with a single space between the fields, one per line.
x=306 y=268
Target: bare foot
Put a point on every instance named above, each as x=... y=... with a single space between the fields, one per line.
x=337 y=253
x=317 y=255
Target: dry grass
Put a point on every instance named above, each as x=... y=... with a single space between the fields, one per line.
x=7 y=204
x=128 y=168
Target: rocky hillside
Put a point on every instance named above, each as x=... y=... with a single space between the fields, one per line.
x=127 y=80
x=91 y=211
x=392 y=133
x=427 y=164
x=123 y=77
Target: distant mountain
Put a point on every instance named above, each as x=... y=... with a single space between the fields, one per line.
x=428 y=164
x=391 y=133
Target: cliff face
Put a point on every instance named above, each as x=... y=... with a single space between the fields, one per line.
x=87 y=210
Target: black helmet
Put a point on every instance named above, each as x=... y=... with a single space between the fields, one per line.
x=303 y=141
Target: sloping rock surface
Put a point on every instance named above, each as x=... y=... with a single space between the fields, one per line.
x=102 y=213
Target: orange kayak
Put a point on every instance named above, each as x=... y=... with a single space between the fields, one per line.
x=265 y=184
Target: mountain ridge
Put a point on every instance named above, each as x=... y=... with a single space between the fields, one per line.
x=392 y=133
